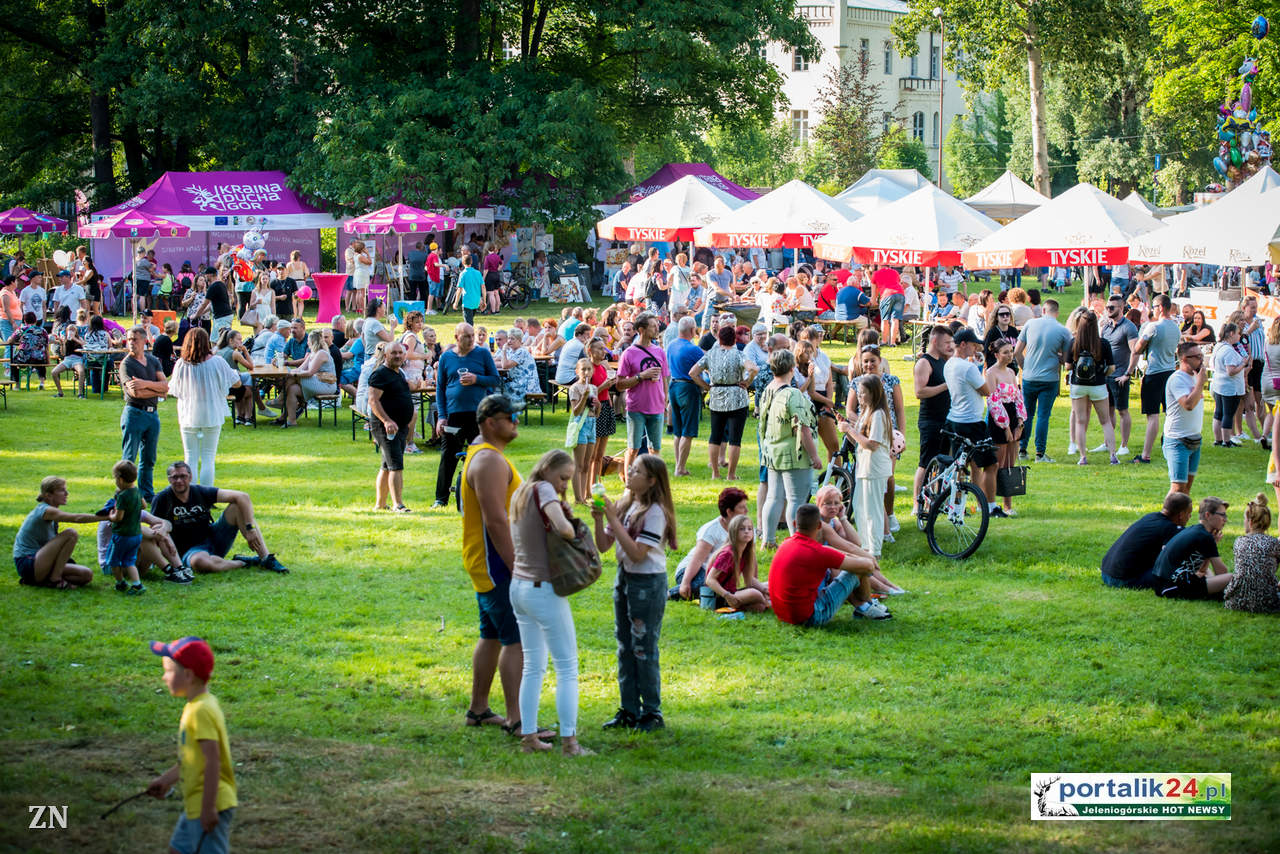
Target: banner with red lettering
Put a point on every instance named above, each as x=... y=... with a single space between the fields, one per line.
x=892 y=257
x=709 y=237
x=1004 y=259
x=652 y=235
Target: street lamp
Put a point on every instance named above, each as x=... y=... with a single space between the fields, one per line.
x=942 y=84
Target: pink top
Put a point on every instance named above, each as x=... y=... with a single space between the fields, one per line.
x=1005 y=393
x=722 y=570
x=492 y=262
x=647 y=396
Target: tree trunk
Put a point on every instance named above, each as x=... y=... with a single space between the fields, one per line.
x=136 y=175
x=1039 y=132
x=466 y=34
x=104 y=180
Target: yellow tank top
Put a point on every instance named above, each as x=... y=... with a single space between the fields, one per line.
x=479 y=558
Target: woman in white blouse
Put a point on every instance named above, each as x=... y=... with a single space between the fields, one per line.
x=361 y=273
x=200 y=383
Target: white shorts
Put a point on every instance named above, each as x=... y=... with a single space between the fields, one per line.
x=1093 y=392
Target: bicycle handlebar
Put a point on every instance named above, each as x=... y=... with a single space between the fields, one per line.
x=966 y=441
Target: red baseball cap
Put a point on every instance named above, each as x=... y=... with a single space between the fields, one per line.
x=191 y=652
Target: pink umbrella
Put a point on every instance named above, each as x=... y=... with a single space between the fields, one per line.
x=399 y=219
x=22 y=221
x=131 y=225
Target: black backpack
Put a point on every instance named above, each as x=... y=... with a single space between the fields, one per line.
x=653 y=288
x=1086 y=368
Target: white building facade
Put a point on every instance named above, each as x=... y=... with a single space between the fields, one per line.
x=913 y=89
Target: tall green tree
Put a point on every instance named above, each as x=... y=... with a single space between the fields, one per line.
x=899 y=151
x=976 y=150
x=849 y=133
x=990 y=42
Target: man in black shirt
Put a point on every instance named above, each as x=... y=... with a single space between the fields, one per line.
x=935 y=400
x=219 y=306
x=1134 y=553
x=142 y=378
x=390 y=414
x=1182 y=569
x=284 y=288
x=202 y=542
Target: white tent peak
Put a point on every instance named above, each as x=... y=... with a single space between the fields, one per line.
x=670 y=213
x=908 y=178
x=1006 y=197
x=794 y=209
x=866 y=196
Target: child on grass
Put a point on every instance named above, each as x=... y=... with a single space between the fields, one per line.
x=126 y=530
x=584 y=404
x=204 y=771
x=731 y=572
x=874 y=465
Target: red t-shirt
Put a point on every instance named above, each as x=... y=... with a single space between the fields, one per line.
x=598 y=376
x=433 y=267
x=797 y=571
x=887 y=281
x=827 y=297
x=723 y=571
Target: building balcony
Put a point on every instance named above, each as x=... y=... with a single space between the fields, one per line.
x=816 y=13
x=918 y=84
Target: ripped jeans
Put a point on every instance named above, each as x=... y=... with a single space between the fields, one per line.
x=639 y=600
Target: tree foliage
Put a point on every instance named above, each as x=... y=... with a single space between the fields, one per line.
x=976 y=150
x=849 y=134
x=899 y=151
x=535 y=103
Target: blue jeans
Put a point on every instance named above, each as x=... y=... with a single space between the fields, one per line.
x=140 y=435
x=6 y=331
x=1039 y=396
x=639 y=600
x=833 y=593
x=1182 y=461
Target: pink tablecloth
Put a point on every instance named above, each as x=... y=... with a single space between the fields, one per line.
x=329 y=287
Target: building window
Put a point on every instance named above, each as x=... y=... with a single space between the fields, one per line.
x=799 y=63
x=888 y=121
x=888 y=57
x=510 y=51
x=915 y=65
x=763 y=51
x=800 y=125
x=935 y=62
x=936 y=120
x=864 y=52
x=917 y=126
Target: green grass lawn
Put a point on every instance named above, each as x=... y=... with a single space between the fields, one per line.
x=344 y=683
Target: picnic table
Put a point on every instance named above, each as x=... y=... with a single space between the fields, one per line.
x=103 y=360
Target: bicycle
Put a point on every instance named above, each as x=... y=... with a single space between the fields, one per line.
x=949 y=507
x=515 y=294
x=840 y=474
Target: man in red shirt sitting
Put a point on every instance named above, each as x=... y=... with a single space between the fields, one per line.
x=808 y=582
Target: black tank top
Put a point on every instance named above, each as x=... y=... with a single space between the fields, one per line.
x=935 y=408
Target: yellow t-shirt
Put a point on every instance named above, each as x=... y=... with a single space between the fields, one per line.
x=480 y=559
x=202 y=720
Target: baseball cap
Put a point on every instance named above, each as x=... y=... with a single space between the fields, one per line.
x=191 y=652
x=283 y=324
x=967 y=336
x=496 y=404
x=62 y=273
x=758 y=328
x=433 y=247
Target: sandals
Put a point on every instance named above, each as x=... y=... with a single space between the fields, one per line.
x=513 y=729
x=486 y=718
x=400 y=508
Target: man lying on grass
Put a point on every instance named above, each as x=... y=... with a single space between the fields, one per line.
x=808 y=582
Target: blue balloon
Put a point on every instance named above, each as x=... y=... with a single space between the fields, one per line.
x=1260 y=27
x=1220 y=165
x=1226 y=135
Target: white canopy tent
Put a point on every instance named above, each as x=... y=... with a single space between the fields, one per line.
x=672 y=213
x=924 y=228
x=1082 y=227
x=792 y=216
x=908 y=179
x=867 y=196
x=1242 y=229
x=1007 y=197
x=1138 y=201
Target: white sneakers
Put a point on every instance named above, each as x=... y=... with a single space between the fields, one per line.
x=872 y=610
x=894 y=527
x=1073 y=448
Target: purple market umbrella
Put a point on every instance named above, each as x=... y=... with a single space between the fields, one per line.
x=22 y=221
x=399 y=219
x=131 y=225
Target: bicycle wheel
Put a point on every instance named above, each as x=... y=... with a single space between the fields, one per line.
x=447 y=303
x=955 y=528
x=931 y=474
x=517 y=295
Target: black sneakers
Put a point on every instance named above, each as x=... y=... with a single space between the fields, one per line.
x=622 y=719
x=650 y=722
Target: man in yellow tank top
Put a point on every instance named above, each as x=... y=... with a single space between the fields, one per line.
x=488 y=553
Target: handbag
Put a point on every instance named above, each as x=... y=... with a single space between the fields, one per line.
x=574 y=563
x=1011 y=481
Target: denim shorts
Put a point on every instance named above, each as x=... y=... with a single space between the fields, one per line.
x=891 y=306
x=1183 y=462
x=124 y=550
x=833 y=593
x=640 y=424
x=221 y=537
x=188 y=835
x=497 y=619
x=436 y=289
x=587 y=434
x=686 y=408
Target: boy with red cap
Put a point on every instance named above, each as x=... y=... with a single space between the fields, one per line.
x=204 y=770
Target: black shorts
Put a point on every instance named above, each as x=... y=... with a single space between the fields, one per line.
x=1255 y=375
x=932 y=442
x=727 y=427
x=1119 y=394
x=1187 y=587
x=1152 y=393
x=392 y=448
x=974 y=431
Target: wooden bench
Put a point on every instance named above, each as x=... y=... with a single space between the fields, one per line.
x=330 y=402
x=4 y=391
x=843 y=327
x=29 y=370
x=539 y=399
x=231 y=404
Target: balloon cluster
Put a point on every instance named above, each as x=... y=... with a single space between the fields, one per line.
x=243 y=255
x=1244 y=145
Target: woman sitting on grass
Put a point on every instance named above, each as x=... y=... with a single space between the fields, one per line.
x=732 y=574
x=838 y=533
x=1253 y=583
x=42 y=553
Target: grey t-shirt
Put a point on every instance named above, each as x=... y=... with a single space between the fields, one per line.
x=369 y=335
x=964 y=378
x=1178 y=422
x=529 y=535
x=1120 y=336
x=1163 y=336
x=34 y=533
x=569 y=355
x=1044 y=340
x=141 y=270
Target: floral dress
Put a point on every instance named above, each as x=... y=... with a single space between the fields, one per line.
x=522 y=376
x=1005 y=409
x=32 y=347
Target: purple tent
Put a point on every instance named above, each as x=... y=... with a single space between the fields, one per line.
x=673 y=172
x=210 y=201
x=23 y=221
